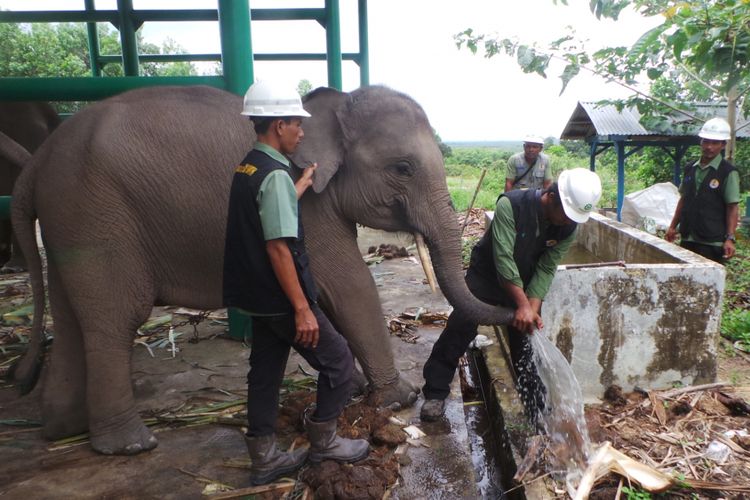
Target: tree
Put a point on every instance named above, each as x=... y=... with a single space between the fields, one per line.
x=445 y=150
x=304 y=87
x=700 y=44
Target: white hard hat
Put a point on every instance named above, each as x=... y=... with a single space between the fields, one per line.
x=716 y=129
x=270 y=99
x=580 y=190
x=533 y=139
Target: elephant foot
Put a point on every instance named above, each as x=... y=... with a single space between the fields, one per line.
x=359 y=383
x=395 y=396
x=129 y=438
x=60 y=425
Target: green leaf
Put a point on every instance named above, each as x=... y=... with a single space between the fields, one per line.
x=568 y=73
x=654 y=73
x=647 y=41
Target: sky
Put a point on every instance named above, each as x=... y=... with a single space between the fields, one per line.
x=466 y=97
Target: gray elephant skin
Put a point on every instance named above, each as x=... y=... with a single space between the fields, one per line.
x=132 y=193
x=23 y=128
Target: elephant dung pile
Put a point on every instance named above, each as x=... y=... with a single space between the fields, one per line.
x=368 y=478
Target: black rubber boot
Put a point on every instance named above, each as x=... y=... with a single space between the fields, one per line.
x=432 y=410
x=326 y=445
x=268 y=463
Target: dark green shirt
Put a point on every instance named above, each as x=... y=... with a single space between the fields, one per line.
x=504 y=240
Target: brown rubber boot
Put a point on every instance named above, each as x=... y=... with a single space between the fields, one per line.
x=326 y=445
x=268 y=463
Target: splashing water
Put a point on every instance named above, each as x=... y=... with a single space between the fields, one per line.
x=562 y=418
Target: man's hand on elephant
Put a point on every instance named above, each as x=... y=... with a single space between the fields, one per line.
x=671 y=234
x=307 y=328
x=305 y=181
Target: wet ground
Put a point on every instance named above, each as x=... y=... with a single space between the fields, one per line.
x=205 y=380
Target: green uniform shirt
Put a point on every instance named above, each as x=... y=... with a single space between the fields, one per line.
x=277 y=199
x=503 y=242
x=540 y=173
x=731 y=192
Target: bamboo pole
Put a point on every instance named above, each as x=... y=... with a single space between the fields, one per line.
x=473 y=199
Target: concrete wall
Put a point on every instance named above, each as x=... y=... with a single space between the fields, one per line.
x=649 y=324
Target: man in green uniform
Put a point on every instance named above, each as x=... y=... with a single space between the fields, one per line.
x=530 y=169
x=513 y=266
x=708 y=210
x=267 y=274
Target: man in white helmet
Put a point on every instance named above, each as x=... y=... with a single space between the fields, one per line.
x=708 y=209
x=513 y=266
x=267 y=274
x=530 y=169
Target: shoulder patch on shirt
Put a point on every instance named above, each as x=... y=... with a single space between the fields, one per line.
x=246 y=169
x=551 y=243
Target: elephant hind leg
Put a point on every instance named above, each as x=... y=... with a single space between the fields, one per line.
x=111 y=297
x=64 y=394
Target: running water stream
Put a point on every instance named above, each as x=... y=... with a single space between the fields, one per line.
x=563 y=418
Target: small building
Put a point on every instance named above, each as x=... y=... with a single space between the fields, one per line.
x=604 y=126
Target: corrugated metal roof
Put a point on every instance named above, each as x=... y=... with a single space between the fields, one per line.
x=590 y=119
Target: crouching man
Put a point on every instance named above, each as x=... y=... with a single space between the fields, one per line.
x=513 y=266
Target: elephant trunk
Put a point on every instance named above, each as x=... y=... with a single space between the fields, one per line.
x=444 y=242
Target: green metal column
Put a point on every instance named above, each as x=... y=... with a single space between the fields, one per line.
x=333 y=44
x=364 y=46
x=127 y=37
x=93 y=41
x=620 y=148
x=236 y=47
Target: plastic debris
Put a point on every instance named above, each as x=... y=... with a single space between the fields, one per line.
x=414 y=432
x=717 y=451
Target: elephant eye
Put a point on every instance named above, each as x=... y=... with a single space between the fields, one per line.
x=403 y=168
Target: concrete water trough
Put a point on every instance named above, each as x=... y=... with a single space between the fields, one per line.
x=652 y=323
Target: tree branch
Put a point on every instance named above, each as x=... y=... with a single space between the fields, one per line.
x=631 y=88
x=697 y=78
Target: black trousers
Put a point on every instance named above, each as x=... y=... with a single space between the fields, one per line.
x=273 y=336
x=460 y=330
x=711 y=252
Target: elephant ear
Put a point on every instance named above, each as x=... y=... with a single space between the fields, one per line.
x=324 y=134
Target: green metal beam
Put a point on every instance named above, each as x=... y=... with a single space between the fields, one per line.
x=93 y=38
x=164 y=58
x=364 y=45
x=59 y=16
x=87 y=89
x=333 y=44
x=127 y=37
x=236 y=46
x=145 y=15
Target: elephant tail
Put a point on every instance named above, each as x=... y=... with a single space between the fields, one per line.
x=23 y=214
x=12 y=152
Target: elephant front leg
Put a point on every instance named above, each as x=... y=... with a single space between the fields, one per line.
x=350 y=297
